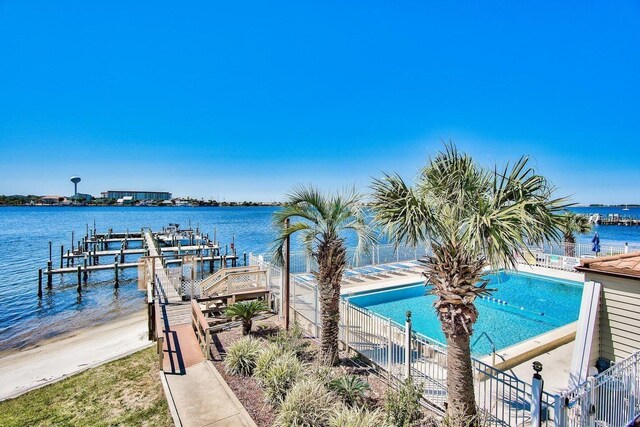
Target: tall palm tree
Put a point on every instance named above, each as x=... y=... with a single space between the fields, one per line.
x=472 y=217
x=571 y=224
x=322 y=221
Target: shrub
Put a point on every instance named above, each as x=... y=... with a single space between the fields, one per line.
x=267 y=358
x=291 y=341
x=242 y=355
x=280 y=377
x=402 y=407
x=308 y=403
x=357 y=417
x=350 y=388
x=246 y=311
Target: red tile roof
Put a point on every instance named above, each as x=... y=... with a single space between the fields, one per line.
x=625 y=265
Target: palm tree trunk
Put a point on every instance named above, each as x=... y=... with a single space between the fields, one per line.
x=461 y=400
x=246 y=326
x=331 y=261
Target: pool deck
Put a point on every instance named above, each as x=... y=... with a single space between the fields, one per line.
x=556 y=364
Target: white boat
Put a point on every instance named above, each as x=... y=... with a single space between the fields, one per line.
x=595 y=218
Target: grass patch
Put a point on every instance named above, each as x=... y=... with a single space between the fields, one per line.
x=125 y=392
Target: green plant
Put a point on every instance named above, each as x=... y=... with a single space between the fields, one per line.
x=283 y=373
x=307 y=404
x=246 y=311
x=571 y=224
x=345 y=416
x=350 y=388
x=291 y=341
x=323 y=221
x=471 y=217
x=265 y=360
x=242 y=356
x=402 y=407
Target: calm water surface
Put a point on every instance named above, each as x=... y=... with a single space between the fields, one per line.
x=26 y=231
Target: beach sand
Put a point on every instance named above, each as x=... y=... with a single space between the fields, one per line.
x=54 y=359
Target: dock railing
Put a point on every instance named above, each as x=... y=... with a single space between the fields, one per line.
x=158 y=323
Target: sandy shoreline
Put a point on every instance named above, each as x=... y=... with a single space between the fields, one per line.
x=59 y=357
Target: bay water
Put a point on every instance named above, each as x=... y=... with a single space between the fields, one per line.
x=24 y=248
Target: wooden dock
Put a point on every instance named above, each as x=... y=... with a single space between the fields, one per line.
x=89 y=254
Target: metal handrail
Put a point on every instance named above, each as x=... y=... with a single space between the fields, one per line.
x=493 y=347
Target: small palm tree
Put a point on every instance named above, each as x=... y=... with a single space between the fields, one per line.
x=322 y=221
x=571 y=224
x=351 y=388
x=246 y=311
x=472 y=217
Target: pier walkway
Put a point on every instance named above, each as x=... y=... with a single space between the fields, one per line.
x=196 y=393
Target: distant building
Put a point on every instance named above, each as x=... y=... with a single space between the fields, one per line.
x=83 y=197
x=53 y=200
x=126 y=201
x=136 y=195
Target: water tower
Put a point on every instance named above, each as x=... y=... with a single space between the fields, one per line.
x=75 y=180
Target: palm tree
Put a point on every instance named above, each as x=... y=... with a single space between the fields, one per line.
x=246 y=311
x=471 y=217
x=322 y=221
x=571 y=224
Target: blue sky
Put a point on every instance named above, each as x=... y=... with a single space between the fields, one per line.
x=242 y=100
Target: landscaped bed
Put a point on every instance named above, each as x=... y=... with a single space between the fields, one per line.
x=125 y=392
x=280 y=381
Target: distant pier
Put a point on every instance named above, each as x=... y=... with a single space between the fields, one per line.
x=615 y=219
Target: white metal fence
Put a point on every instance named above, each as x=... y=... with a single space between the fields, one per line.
x=609 y=399
x=301 y=262
x=581 y=250
x=504 y=399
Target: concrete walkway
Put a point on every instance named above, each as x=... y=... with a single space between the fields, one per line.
x=201 y=397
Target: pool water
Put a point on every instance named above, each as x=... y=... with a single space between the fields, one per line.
x=522 y=307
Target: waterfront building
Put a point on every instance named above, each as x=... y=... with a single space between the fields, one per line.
x=136 y=195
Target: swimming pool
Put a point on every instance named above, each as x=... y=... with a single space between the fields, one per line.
x=524 y=306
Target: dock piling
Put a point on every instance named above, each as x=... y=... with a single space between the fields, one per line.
x=39 y=283
x=115 y=273
x=85 y=275
x=79 y=279
x=50 y=254
x=61 y=256
x=49 y=276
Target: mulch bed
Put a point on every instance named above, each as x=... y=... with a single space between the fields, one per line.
x=249 y=392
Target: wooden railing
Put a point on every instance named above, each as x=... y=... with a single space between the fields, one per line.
x=237 y=280
x=159 y=332
x=201 y=328
x=221 y=275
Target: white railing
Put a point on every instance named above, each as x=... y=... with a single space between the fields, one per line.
x=503 y=399
x=582 y=250
x=556 y=262
x=301 y=262
x=609 y=399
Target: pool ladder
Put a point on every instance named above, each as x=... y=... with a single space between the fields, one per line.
x=493 y=347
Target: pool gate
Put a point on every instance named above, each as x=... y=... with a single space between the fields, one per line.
x=608 y=399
